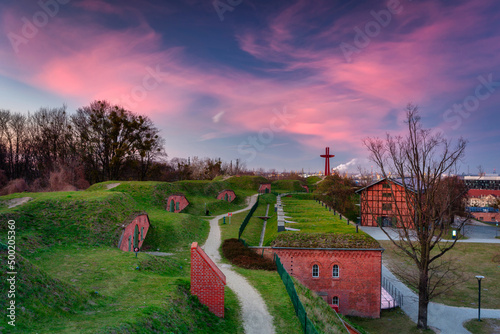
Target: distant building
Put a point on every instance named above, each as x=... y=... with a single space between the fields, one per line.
x=487 y=181
x=483 y=197
x=383 y=203
x=485 y=214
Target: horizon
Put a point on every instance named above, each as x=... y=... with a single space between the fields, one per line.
x=271 y=84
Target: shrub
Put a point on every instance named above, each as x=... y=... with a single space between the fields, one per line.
x=244 y=257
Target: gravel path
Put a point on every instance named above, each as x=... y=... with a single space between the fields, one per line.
x=256 y=318
x=18 y=201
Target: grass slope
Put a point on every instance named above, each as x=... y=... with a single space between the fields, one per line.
x=71 y=239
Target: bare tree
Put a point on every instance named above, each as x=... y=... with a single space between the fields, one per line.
x=419 y=160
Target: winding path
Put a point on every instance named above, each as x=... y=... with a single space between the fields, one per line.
x=256 y=318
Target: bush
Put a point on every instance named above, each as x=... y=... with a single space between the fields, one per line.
x=244 y=257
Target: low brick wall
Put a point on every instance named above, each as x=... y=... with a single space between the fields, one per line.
x=207 y=281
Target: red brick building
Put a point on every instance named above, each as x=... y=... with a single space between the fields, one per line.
x=265 y=188
x=176 y=203
x=226 y=195
x=134 y=232
x=347 y=279
x=383 y=203
x=207 y=281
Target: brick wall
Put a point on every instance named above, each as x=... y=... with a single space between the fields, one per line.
x=229 y=193
x=358 y=286
x=176 y=203
x=265 y=188
x=207 y=281
x=129 y=236
x=487 y=216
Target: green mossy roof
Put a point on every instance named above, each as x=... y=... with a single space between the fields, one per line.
x=325 y=240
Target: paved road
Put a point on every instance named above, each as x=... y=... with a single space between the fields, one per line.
x=447 y=319
x=256 y=318
x=481 y=233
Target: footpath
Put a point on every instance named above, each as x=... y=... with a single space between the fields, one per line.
x=256 y=318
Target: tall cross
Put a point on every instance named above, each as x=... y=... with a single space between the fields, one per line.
x=327 y=157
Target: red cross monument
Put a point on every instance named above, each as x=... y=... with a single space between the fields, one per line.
x=327 y=157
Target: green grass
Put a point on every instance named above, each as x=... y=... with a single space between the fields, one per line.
x=314 y=222
x=471 y=259
x=323 y=317
x=287 y=186
x=278 y=302
x=485 y=326
x=252 y=232
x=390 y=321
x=71 y=237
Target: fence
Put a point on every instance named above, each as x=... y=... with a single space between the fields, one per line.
x=297 y=304
x=247 y=218
x=395 y=293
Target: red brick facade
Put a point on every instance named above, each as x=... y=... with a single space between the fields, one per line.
x=134 y=233
x=226 y=195
x=487 y=216
x=380 y=203
x=264 y=188
x=207 y=281
x=358 y=285
x=176 y=203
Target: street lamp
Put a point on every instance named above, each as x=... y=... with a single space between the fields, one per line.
x=479 y=278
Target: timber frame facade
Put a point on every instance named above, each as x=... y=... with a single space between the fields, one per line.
x=384 y=203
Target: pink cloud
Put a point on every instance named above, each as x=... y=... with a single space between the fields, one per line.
x=336 y=102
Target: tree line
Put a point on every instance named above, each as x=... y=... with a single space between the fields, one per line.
x=99 y=142
x=52 y=150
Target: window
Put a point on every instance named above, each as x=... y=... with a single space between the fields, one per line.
x=386 y=206
x=315 y=270
x=177 y=205
x=386 y=186
x=335 y=271
x=335 y=300
x=386 y=194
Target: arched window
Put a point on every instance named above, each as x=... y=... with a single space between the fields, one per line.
x=315 y=270
x=335 y=300
x=335 y=271
x=177 y=206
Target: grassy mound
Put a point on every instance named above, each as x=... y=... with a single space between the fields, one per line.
x=287 y=186
x=40 y=297
x=244 y=257
x=247 y=182
x=325 y=240
x=183 y=314
x=69 y=217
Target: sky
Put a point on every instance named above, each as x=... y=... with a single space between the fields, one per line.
x=271 y=83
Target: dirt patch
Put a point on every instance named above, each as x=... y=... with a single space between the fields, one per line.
x=112 y=185
x=18 y=201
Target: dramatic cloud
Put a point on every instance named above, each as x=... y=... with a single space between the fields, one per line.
x=210 y=84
